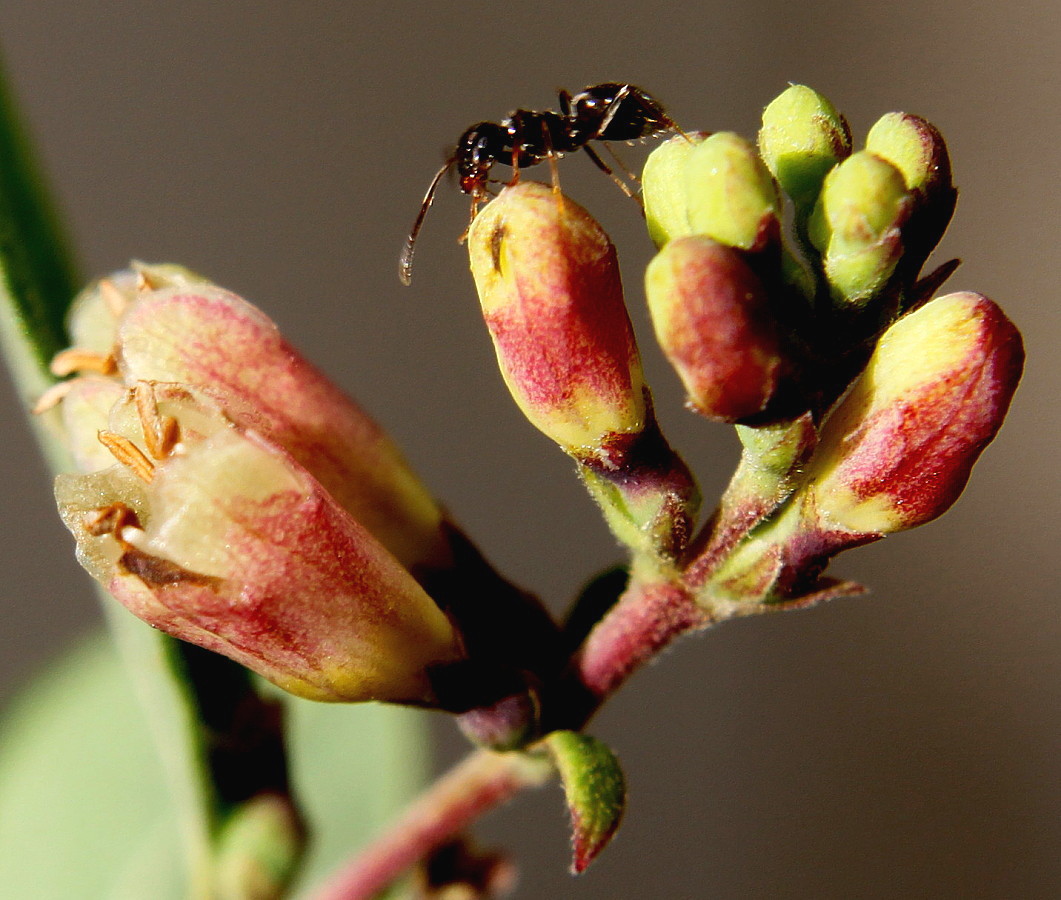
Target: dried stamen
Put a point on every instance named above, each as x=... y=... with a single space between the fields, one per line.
x=129 y=455
x=66 y=362
x=52 y=397
x=161 y=433
x=112 y=519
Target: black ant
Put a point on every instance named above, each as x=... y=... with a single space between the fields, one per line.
x=603 y=112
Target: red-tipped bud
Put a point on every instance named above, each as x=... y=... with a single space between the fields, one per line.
x=549 y=284
x=898 y=450
x=713 y=321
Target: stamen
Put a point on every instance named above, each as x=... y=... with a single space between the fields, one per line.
x=161 y=433
x=115 y=300
x=113 y=519
x=66 y=362
x=128 y=454
x=52 y=397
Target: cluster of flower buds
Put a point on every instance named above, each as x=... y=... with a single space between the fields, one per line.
x=861 y=403
x=230 y=495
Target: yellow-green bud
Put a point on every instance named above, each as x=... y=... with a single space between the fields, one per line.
x=914 y=146
x=664 y=189
x=732 y=197
x=855 y=225
x=802 y=138
x=917 y=149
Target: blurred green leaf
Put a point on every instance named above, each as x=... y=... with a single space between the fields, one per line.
x=84 y=806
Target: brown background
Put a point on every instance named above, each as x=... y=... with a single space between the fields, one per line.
x=904 y=745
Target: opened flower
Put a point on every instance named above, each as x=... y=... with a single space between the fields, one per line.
x=232 y=497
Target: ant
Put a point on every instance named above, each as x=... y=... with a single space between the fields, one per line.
x=602 y=112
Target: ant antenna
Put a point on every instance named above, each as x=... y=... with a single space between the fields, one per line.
x=405 y=261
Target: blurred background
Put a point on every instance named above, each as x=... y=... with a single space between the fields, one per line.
x=900 y=745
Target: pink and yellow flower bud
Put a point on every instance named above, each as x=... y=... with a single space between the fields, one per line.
x=898 y=450
x=216 y=535
x=712 y=318
x=548 y=280
x=549 y=285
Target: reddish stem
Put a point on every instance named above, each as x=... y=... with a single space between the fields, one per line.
x=477 y=784
x=644 y=621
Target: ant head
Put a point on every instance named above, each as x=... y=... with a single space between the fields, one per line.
x=477 y=150
x=638 y=114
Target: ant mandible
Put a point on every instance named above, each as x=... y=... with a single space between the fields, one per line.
x=603 y=112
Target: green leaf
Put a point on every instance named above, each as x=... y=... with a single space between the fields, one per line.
x=595 y=790
x=37 y=278
x=84 y=806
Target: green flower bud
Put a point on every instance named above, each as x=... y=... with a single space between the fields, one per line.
x=732 y=197
x=802 y=138
x=917 y=149
x=855 y=225
x=258 y=849
x=664 y=188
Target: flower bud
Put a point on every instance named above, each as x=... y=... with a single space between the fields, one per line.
x=898 y=450
x=548 y=280
x=216 y=535
x=732 y=197
x=664 y=188
x=258 y=849
x=713 y=321
x=549 y=285
x=855 y=225
x=917 y=149
x=802 y=138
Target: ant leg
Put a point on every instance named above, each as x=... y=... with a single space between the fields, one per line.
x=619 y=162
x=606 y=169
x=554 y=169
x=613 y=107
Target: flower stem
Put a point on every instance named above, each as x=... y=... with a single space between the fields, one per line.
x=481 y=782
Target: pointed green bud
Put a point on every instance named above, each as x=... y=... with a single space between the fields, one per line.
x=917 y=149
x=595 y=790
x=732 y=197
x=855 y=225
x=802 y=138
x=664 y=189
x=258 y=849
x=712 y=319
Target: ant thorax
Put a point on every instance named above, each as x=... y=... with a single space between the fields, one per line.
x=605 y=112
